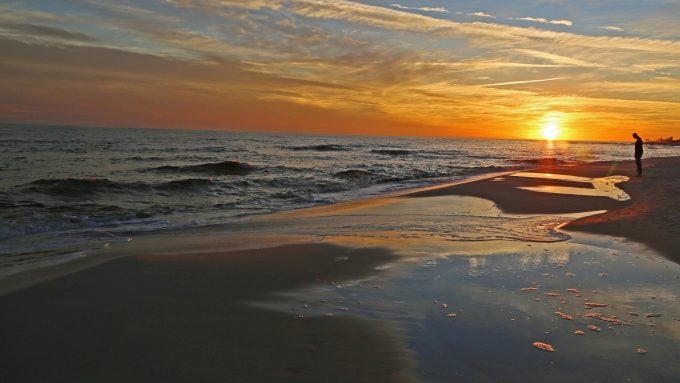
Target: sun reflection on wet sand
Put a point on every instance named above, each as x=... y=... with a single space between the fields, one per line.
x=602 y=187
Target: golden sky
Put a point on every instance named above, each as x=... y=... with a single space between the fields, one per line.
x=595 y=70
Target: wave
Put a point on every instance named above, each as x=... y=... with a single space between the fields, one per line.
x=393 y=152
x=214 y=168
x=73 y=186
x=185 y=185
x=321 y=148
x=89 y=216
x=543 y=161
x=354 y=174
x=78 y=187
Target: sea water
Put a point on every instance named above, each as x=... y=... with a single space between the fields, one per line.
x=67 y=189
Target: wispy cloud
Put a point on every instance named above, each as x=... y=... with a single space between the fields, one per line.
x=424 y=9
x=612 y=28
x=523 y=82
x=559 y=59
x=481 y=14
x=544 y=20
x=222 y=62
x=44 y=31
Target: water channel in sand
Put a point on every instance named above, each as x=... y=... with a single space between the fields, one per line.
x=594 y=187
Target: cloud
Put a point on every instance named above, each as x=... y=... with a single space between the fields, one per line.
x=43 y=31
x=544 y=20
x=493 y=35
x=425 y=9
x=481 y=14
x=248 y=4
x=612 y=28
x=335 y=57
x=559 y=59
x=523 y=82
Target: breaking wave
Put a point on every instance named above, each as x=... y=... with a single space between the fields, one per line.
x=74 y=186
x=80 y=187
x=213 y=168
x=546 y=161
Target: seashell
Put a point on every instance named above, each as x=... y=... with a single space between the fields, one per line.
x=564 y=316
x=543 y=346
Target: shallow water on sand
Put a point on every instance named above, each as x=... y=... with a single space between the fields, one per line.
x=489 y=339
x=594 y=187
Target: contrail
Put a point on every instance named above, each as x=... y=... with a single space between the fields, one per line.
x=524 y=82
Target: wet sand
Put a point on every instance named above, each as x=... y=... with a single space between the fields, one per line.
x=182 y=318
x=651 y=216
x=204 y=309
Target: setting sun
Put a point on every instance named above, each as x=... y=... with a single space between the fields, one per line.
x=551 y=131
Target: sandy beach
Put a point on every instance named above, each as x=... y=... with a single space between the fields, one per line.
x=372 y=291
x=649 y=216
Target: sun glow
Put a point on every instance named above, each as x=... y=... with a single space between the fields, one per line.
x=551 y=126
x=551 y=131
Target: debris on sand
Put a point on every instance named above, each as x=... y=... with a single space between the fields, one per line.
x=552 y=294
x=593 y=328
x=610 y=320
x=641 y=351
x=594 y=315
x=575 y=291
x=528 y=289
x=593 y=304
x=654 y=315
x=543 y=346
x=633 y=314
x=444 y=305
x=564 y=316
x=451 y=315
x=570 y=274
x=579 y=332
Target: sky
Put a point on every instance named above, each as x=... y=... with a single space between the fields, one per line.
x=578 y=70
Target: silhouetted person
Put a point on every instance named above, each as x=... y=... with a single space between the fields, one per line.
x=638 y=153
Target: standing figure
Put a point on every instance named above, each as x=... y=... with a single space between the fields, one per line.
x=638 y=153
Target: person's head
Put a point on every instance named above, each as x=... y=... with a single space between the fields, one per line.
x=635 y=136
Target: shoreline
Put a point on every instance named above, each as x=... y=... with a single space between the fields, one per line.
x=620 y=219
x=648 y=217
x=168 y=306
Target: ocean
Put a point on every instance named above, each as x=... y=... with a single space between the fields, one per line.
x=65 y=190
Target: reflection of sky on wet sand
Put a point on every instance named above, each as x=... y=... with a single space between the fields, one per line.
x=412 y=226
x=465 y=253
x=490 y=337
x=601 y=187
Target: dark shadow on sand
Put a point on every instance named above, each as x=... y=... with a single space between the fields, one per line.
x=183 y=318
